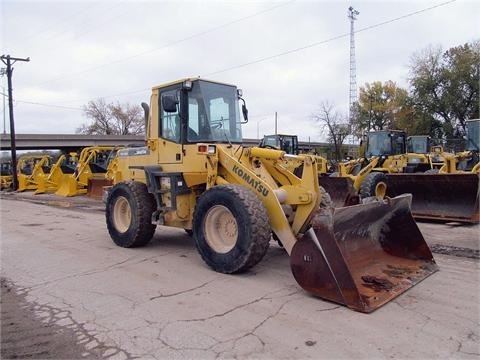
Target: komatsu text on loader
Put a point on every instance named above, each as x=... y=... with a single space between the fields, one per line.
x=195 y=174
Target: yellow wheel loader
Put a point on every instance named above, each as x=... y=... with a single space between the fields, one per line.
x=367 y=176
x=389 y=170
x=65 y=165
x=195 y=174
x=450 y=190
x=92 y=165
x=30 y=171
x=289 y=144
x=6 y=177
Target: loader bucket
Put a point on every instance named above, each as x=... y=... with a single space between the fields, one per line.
x=369 y=255
x=95 y=187
x=41 y=186
x=449 y=197
x=340 y=189
x=68 y=186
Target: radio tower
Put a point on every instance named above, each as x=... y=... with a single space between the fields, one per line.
x=352 y=15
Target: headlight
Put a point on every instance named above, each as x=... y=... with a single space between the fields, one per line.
x=212 y=149
x=187 y=85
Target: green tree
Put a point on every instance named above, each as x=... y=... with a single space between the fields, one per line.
x=382 y=106
x=112 y=119
x=446 y=85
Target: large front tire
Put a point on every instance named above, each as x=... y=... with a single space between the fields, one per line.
x=128 y=214
x=374 y=184
x=231 y=228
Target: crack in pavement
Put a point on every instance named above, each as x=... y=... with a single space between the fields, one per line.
x=183 y=291
x=234 y=340
x=84 y=273
x=52 y=331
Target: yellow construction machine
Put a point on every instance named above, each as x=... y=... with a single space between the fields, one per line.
x=356 y=179
x=65 y=165
x=31 y=169
x=450 y=189
x=289 y=144
x=423 y=155
x=6 y=177
x=389 y=170
x=194 y=173
x=92 y=164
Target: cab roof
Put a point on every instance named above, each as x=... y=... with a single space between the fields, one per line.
x=161 y=86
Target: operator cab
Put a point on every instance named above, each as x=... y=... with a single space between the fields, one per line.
x=385 y=143
x=287 y=143
x=197 y=110
x=418 y=144
x=473 y=135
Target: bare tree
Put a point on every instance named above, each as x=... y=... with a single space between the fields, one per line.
x=333 y=125
x=112 y=119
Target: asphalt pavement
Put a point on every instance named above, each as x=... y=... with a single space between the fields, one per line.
x=163 y=302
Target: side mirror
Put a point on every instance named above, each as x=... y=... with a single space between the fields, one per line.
x=245 y=112
x=146 y=111
x=169 y=103
x=244 y=107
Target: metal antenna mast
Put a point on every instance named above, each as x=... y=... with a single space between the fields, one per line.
x=352 y=15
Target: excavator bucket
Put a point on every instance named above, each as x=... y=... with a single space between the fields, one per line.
x=363 y=258
x=340 y=189
x=449 y=197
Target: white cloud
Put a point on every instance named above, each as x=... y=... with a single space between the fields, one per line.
x=85 y=50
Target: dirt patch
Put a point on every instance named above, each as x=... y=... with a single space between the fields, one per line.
x=32 y=331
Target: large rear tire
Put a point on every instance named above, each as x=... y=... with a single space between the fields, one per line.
x=374 y=184
x=231 y=228
x=128 y=213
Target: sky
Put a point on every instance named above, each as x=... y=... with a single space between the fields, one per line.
x=287 y=56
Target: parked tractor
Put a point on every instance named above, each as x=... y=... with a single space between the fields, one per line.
x=31 y=169
x=92 y=165
x=289 y=144
x=195 y=174
x=450 y=190
x=389 y=170
x=6 y=177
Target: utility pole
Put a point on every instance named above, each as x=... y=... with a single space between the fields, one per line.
x=275 y=123
x=352 y=15
x=9 y=61
x=3 y=71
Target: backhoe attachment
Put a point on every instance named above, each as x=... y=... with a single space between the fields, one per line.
x=362 y=256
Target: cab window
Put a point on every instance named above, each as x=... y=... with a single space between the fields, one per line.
x=170 y=121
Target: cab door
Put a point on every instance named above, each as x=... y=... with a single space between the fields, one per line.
x=170 y=125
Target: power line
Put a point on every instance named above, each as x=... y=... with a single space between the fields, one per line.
x=89 y=26
x=327 y=40
x=89 y=99
x=287 y=52
x=168 y=44
x=48 y=105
